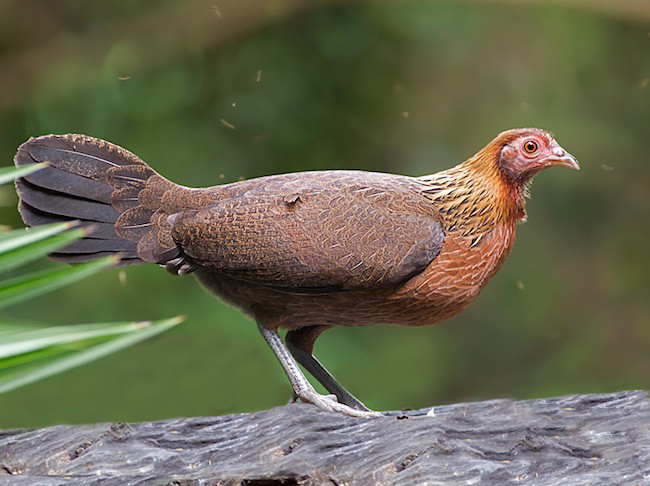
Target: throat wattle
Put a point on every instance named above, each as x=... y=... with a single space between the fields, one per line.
x=517 y=195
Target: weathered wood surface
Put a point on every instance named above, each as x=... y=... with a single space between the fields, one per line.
x=577 y=440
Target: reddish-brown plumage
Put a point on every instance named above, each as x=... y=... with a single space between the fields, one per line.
x=305 y=251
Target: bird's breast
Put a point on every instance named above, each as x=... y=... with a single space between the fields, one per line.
x=455 y=278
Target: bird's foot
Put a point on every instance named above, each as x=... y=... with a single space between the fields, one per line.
x=331 y=404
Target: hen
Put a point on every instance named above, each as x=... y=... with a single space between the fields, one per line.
x=305 y=251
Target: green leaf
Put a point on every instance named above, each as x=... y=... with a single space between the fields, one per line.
x=8 y=174
x=23 y=339
x=32 y=251
x=20 y=237
x=24 y=287
x=53 y=350
x=28 y=353
x=9 y=328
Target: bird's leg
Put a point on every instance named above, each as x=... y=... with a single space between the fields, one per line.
x=301 y=387
x=301 y=344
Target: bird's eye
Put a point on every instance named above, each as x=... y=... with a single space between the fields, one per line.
x=530 y=147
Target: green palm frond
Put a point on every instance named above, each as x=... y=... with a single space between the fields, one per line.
x=31 y=353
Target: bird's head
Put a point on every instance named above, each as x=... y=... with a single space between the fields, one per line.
x=507 y=165
x=494 y=183
x=525 y=152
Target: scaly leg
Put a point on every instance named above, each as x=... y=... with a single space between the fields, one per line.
x=301 y=387
x=301 y=344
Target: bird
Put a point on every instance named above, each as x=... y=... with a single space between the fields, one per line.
x=300 y=252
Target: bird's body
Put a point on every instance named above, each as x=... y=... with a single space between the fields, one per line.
x=361 y=290
x=304 y=251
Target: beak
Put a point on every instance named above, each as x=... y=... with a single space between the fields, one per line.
x=562 y=157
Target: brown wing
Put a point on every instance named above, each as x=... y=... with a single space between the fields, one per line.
x=315 y=231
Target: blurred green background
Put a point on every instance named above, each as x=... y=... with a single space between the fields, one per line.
x=211 y=91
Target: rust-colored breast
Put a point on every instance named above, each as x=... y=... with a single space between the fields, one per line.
x=454 y=279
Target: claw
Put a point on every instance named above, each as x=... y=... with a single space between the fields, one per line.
x=179 y=266
x=331 y=404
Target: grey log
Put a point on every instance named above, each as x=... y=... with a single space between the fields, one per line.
x=576 y=440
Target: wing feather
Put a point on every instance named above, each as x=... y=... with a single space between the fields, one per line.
x=324 y=230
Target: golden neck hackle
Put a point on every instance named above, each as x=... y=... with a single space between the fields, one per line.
x=473 y=197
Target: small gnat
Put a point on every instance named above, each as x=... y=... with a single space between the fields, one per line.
x=227 y=124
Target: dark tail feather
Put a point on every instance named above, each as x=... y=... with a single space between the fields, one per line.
x=97 y=183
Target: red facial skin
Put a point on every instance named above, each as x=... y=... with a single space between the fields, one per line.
x=530 y=153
